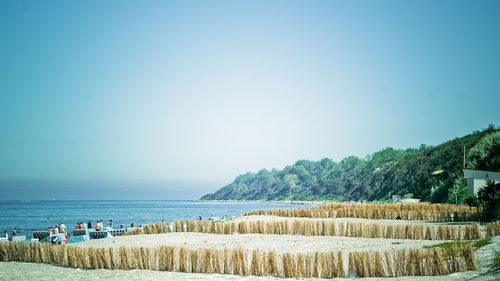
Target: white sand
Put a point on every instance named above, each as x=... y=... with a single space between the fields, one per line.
x=263 y=242
x=40 y=271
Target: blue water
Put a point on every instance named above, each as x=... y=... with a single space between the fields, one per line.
x=29 y=216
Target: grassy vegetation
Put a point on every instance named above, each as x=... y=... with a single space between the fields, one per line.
x=446 y=246
x=480 y=243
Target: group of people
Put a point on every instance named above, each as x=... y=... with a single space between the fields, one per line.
x=61 y=228
x=98 y=226
x=6 y=235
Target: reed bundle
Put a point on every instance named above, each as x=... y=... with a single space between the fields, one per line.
x=70 y=253
x=36 y=250
x=315 y=268
x=272 y=263
x=92 y=257
x=136 y=258
x=60 y=255
x=4 y=251
x=493 y=229
x=256 y=267
x=123 y=257
x=162 y=258
x=288 y=265
x=23 y=252
x=104 y=261
x=194 y=261
x=145 y=258
x=469 y=257
x=111 y=255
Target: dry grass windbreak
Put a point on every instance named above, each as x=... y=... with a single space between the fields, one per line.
x=332 y=228
x=492 y=229
x=408 y=211
x=407 y=262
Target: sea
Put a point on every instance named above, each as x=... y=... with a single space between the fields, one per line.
x=29 y=216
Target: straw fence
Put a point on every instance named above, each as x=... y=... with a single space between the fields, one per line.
x=326 y=228
x=492 y=229
x=410 y=211
x=408 y=262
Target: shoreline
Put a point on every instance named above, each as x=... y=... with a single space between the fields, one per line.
x=265 y=201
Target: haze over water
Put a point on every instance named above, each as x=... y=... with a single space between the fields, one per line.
x=174 y=99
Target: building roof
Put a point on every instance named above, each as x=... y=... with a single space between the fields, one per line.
x=479 y=174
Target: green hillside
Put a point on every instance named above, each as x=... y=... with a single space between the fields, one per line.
x=428 y=173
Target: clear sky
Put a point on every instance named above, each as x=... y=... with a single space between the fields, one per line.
x=174 y=99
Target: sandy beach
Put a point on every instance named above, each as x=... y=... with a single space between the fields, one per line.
x=39 y=271
x=263 y=242
x=281 y=244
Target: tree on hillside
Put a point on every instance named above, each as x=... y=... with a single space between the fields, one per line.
x=291 y=180
x=485 y=155
x=489 y=198
x=459 y=192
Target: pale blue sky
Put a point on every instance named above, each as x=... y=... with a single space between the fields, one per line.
x=183 y=96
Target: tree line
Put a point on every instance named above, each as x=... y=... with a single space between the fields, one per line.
x=430 y=173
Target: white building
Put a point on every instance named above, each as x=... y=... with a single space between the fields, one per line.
x=477 y=178
x=410 y=200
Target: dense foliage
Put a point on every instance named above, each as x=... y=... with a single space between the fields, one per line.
x=488 y=197
x=429 y=173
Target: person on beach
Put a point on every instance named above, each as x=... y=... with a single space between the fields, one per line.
x=67 y=238
x=5 y=234
x=56 y=230
x=62 y=226
x=110 y=224
x=97 y=226
x=14 y=232
x=89 y=225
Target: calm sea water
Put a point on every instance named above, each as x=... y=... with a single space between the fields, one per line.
x=29 y=216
